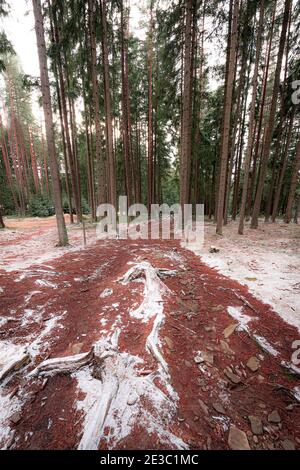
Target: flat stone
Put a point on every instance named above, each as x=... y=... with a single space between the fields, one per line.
x=132 y=399
x=203 y=406
x=15 y=418
x=225 y=348
x=253 y=364
x=187 y=363
x=169 y=342
x=76 y=348
x=232 y=377
x=287 y=444
x=256 y=425
x=229 y=330
x=204 y=356
x=219 y=408
x=274 y=417
x=237 y=439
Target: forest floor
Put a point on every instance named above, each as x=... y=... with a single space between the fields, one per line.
x=158 y=350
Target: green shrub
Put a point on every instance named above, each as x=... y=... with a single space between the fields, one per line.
x=40 y=206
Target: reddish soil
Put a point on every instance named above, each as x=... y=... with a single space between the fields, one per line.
x=196 y=316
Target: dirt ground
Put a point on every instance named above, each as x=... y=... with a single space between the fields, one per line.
x=189 y=358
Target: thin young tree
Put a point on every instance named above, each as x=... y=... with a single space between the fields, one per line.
x=293 y=186
x=232 y=45
x=247 y=161
x=46 y=99
x=272 y=115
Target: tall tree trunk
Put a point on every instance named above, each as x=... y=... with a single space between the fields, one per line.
x=282 y=169
x=95 y=91
x=293 y=186
x=258 y=141
x=186 y=124
x=70 y=153
x=251 y=133
x=150 y=110
x=126 y=125
x=232 y=45
x=271 y=120
x=46 y=99
x=112 y=192
x=2 y=225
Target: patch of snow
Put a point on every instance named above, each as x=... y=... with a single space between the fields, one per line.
x=106 y=293
x=45 y=283
x=240 y=317
x=265 y=345
x=12 y=356
x=266 y=260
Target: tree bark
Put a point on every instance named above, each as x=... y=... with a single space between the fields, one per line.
x=46 y=99
x=95 y=91
x=271 y=120
x=293 y=186
x=232 y=45
x=150 y=111
x=126 y=124
x=186 y=124
x=112 y=192
x=247 y=161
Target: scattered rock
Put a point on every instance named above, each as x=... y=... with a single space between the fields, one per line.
x=287 y=444
x=214 y=249
x=203 y=406
x=229 y=330
x=253 y=364
x=217 y=308
x=187 y=363
x=204 y=356
x=15 y=418
x=237 y=439
x=219 y=408
x=232 y=377
x=260 y=379
x=255 y=439
x=274 y=417
x=132 y=399
x=226 y=348
x=256 y=425
x=169 y=342
x=76 y=348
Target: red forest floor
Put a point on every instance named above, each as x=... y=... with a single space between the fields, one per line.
x=209 y=401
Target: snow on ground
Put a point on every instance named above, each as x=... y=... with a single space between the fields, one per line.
x=32 y=241
x=267 y=260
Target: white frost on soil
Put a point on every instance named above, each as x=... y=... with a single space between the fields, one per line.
x=106 y=293
x=12 y=357
x=266 y=260
x=240 y=317
x=265 y=345
x=8 y=406
x=113 y=401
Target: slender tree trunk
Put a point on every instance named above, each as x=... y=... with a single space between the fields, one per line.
x=251 y=134
x=46 y=99
x=271 y=120
x=2 y=225
x=71 y=156
x=293 y=186
x=150 y=110
x=112 y=192
x=96 y=102
x=126 y=127
x=232 y=44
x=261 y=111
x=186 y=124
x=282 y=169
